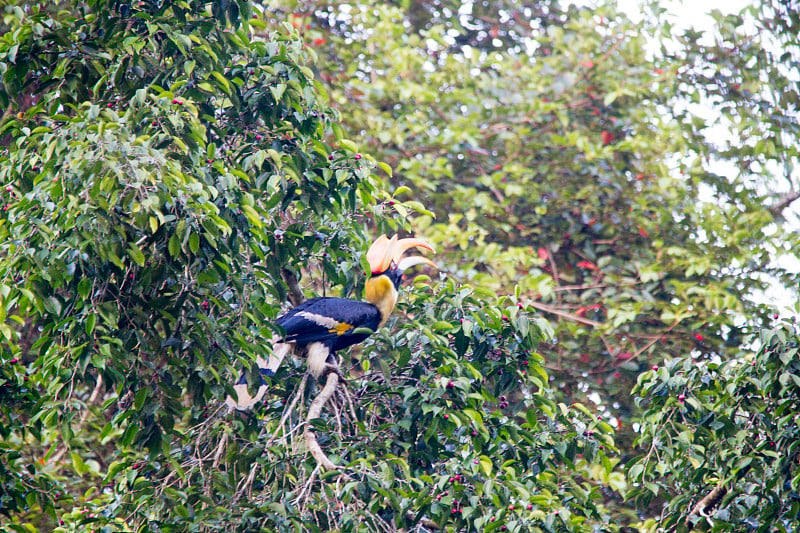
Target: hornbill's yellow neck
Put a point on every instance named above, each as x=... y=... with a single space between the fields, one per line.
x=387 y=266
x=381 y=292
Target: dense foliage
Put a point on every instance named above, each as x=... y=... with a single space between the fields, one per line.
x=176 y=173
x=722 y=438
x=168 y=181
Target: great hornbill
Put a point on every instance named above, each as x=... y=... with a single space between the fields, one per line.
x=320 y=326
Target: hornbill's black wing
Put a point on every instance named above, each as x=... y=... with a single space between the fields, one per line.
x=332 y=321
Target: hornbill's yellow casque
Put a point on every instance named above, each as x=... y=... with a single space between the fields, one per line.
x=321 y=326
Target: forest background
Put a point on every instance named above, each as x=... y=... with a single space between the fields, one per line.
x=609 y=343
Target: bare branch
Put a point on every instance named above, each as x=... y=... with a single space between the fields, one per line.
x=92 y=398
x=295 y=294
x=785 y=201
x=563 y=314
x=711 y=499
x=314 y=410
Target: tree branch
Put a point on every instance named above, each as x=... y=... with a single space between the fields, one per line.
x=711 y=499
x=314 y=410
x=563 y=314
x=785 y=201
x=295 y=294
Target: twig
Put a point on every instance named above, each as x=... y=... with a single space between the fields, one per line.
x=289 y=409
x=555 y=311
x=92 y=398
x=307 y=485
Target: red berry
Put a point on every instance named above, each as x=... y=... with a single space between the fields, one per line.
x=698 y=337
x=511 y=507
x=357 y=157
x=491 y=519
x=452 y=479
x=390 y=202
x=450 y=385
x=258 y=137
x=330 y=157
x=174 y=100
x=681 y=397
x=505 y=317
x=476 y=461
x=446 y=416
x=655 y=367
x=155 y=123
x=14 y=361
x=109 y=104
x=530 y=506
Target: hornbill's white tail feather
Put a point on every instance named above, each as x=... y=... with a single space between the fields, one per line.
x=266 y=367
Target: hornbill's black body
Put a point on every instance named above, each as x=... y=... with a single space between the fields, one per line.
x=320 y=326
x=306 y=323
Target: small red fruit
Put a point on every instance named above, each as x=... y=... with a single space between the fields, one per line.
x=330 y=157
x=530 y=506
x=450 y=385
x=109 y=104
x=14 y=361
x=258 y=137
x=505 y=317
x=698 y=337
x=681 y=397
x=446 y=416
x=511 y=507
x=357 y=157
x=607 y=137
x=655 y=367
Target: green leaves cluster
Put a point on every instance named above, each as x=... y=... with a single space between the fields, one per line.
x=725 y=425
x=168 y=176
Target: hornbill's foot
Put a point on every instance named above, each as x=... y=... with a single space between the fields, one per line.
x=335 y=368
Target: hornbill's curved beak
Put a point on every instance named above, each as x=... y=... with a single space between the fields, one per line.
x=385 y=254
